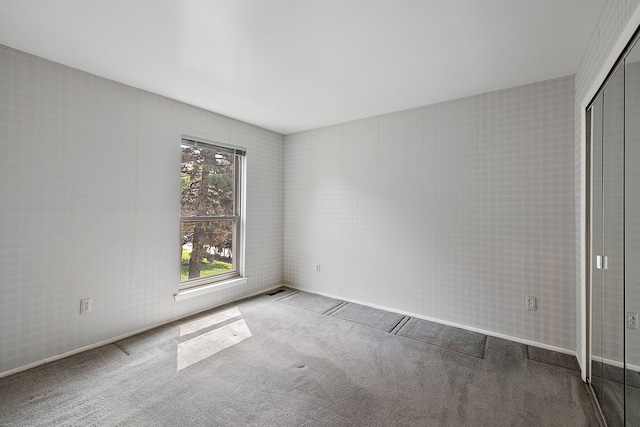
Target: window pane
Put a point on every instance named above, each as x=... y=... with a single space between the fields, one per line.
x=206 y=249
x=206 y=182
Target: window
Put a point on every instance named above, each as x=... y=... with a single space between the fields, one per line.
x=210 y=212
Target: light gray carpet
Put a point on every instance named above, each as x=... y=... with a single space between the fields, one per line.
x=260 y=362
x=371 y=317
x=455 y=339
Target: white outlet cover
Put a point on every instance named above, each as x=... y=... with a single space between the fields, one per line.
x=632 y=320
x=531 y=303
x=85 y=305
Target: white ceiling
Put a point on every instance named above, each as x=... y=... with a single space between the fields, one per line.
x=291 y=65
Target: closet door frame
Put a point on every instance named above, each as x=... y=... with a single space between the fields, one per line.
x=627 y=37
x=592 y=248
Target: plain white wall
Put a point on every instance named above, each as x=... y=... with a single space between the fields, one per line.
x=454 y=211
x=90 y=207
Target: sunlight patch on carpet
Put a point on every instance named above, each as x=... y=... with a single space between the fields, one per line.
x=205 y=322
x=210 y=343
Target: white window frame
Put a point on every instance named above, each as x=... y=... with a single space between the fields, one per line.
x=207 y=284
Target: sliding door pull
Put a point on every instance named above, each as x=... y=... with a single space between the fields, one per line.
x=602 y=262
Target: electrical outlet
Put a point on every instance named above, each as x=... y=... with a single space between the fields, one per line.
x=632 y=320
x=85 y=305
x=317 y=268
x=532 y=303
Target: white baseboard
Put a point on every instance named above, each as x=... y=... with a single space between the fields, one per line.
x=121 y=337
x=445 y=322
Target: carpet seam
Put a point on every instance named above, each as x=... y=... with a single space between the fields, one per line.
x=484 y=347
x=403 y=325
x=332 y=310
x=404 y=319
x=481 y=356
x=288 y=295
x=121 y=348
x=360 y=323
x=444 y=348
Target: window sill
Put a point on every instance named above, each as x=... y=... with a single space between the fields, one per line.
x=207 y=289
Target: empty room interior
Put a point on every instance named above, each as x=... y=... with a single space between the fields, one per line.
x=298 y=213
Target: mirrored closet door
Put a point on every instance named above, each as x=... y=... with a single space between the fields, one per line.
x=632 y=236
x=614 y=152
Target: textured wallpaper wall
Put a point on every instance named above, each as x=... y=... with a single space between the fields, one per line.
x=89 y=188
x=454 y=211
